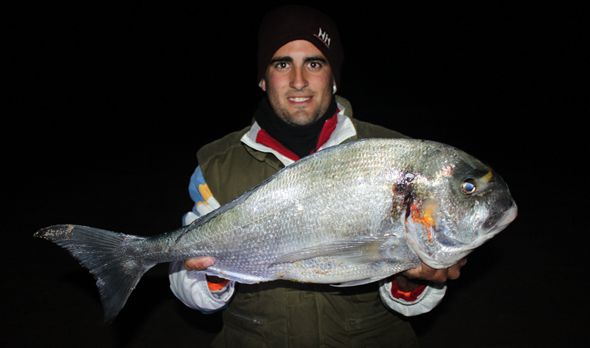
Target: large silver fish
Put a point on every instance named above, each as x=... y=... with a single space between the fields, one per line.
x=348 y=215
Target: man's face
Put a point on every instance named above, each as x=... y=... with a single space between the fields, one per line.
x=298 y=83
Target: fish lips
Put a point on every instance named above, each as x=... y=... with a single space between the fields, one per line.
x=493 y=225
x=496 y=223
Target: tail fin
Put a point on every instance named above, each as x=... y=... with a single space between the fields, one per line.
x=113 y=258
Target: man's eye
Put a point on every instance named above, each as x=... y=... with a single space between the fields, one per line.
x=315 y=65
x=282 y=65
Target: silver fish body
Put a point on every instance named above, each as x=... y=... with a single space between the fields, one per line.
x=349 y=215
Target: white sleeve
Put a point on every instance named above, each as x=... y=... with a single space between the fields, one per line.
x=191 y=288
x=428 y=299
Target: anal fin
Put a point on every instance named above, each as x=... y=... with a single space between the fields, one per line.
x=357 y=282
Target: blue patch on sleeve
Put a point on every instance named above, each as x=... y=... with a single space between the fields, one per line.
x=193 y=188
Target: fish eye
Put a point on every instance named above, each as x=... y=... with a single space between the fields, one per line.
x=468 y=186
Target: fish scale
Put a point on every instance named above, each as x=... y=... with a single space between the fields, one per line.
x=347 y=215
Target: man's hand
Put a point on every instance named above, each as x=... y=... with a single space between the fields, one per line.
x=438 y=275
x=201 y=264
x=413 y=278
x=198 y=263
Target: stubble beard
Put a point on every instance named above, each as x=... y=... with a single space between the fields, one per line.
x=298 y=120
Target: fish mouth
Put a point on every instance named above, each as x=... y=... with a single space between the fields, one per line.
x=498 y=222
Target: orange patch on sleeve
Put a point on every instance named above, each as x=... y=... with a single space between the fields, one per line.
x=205 y=192
x=217 y=286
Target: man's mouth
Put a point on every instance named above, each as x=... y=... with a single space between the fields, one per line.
x=299 y=99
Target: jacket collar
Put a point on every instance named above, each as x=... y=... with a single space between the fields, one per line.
x=343 y=131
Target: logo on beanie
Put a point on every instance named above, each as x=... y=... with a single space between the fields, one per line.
x=322 y=35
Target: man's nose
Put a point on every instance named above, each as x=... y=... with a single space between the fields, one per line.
x=298 y=79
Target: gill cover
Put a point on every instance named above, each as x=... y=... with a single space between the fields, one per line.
x=466 y=196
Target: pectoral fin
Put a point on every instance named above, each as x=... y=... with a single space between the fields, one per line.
x=359 y=251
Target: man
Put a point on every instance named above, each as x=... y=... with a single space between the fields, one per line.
x=299 y=61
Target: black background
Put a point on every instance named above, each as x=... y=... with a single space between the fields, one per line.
x=105 y=106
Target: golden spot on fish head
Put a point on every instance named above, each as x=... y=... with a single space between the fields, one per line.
x=486 y=178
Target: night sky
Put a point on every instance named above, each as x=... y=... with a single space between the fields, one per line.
x=108 y=104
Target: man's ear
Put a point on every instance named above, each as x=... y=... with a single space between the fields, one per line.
x=262 y=84
x=334 y=88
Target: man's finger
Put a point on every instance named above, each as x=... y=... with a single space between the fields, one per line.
x=198 y=264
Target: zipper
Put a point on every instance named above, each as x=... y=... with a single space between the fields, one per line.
x=356 y=322
x=255 y=321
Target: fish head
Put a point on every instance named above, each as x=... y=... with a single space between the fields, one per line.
x=456 y=205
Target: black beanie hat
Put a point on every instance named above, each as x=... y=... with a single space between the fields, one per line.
x=289 y=23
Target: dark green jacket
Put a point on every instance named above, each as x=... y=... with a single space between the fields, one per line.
x=282 y=314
